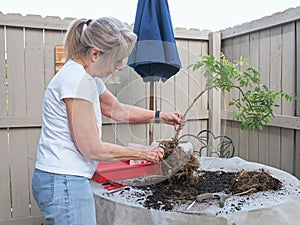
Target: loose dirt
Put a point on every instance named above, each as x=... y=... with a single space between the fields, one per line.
x=185 y=181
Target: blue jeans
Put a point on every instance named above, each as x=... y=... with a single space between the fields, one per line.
x=64 y=199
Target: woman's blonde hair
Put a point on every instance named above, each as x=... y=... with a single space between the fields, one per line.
x=114 y=40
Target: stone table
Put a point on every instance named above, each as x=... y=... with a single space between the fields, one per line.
x=266 y=208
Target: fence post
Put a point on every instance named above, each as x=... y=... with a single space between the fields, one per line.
x=297 y=136
x=214 y=96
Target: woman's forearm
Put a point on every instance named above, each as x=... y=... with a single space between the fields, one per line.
x=112 y=108
x=104 y=151
x=133 y=114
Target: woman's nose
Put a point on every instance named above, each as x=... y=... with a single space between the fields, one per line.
x=119 y=68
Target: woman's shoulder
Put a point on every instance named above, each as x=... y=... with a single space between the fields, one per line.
x=71 y=74
x=72 y=68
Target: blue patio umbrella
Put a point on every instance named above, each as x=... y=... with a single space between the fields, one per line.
x=155 y=56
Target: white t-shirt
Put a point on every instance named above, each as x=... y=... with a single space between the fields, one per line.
x=57 y=152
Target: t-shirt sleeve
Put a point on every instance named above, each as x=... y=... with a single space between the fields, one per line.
x=100 y=85
x=80 y=86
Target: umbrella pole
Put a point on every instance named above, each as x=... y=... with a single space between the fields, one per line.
x=151 y=107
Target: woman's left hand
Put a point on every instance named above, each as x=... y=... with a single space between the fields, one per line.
x=175 y=119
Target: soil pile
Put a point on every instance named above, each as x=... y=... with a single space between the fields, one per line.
x=187 y=182
x=166 y=194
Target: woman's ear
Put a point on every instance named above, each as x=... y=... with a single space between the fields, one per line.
x=95 y=53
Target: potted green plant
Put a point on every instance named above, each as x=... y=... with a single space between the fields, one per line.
x=253 y=108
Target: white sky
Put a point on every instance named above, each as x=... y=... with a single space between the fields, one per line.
x=204 y=15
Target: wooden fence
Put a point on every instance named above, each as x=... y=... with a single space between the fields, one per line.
x=27 y=63
x=271 y=45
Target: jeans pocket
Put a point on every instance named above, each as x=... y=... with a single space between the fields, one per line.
x=43 y=187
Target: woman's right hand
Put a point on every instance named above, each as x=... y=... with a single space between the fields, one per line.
x=150 y=153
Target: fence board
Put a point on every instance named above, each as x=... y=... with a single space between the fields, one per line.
x=123 y=86
x=32 y=143
x=244 y=135
x=16 y=74
x=34 y=72
x=274 y=147
x=195 y=126
x=235 y=136
x=204 y=51
x=288 y=66
x=138 y=92
x=226 y=127
x=52 y=38
x=253 y=62
x=232 y=54
x=195 y=85
x=297 y=137
x=298 y=68
x=236 y=53
x=263 y=143
x=253 y=146
x=264 y=59
x=5 y=201
x=109 y=133
x=123 y=134
x=134 y=91
x=32 y=220
x=254 y=50
x=168 y=95
x=264 y=67
x=234 y=94
x=227 y=124
x=275 y=85
x=227 y=49
x=297 y=155
x=139 y=134
x=288 y=84
x=181 y=78
x=168 y=105
x=204 y=47
x=19 y=172
x=2 y=75
x=287 y=154
x=275 y=63
x=214 y=96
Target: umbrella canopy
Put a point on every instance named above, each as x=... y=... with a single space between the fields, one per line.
x=155 y=54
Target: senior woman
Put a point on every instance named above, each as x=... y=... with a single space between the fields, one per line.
x=70 y=144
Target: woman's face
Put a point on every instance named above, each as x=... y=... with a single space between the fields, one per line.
x=102 y=67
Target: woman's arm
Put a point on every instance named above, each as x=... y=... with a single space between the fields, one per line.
x=85 y=134
x=112 y=108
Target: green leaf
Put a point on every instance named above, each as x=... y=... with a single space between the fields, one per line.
x=255 y=105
